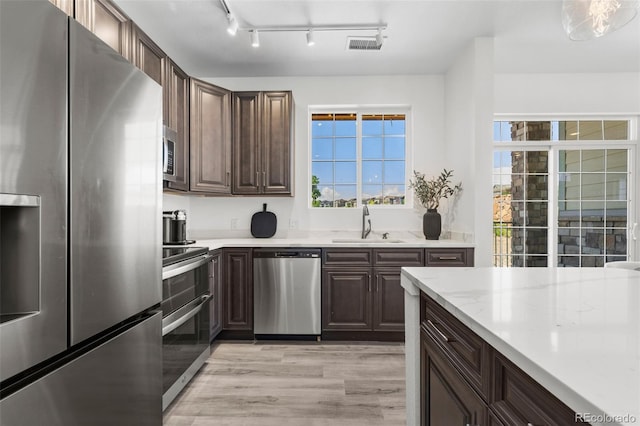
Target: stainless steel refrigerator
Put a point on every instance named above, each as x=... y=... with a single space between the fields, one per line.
x=80 y=213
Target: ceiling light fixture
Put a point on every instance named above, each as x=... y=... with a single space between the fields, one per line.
x=310 y=39
x=589 y=19
x=233 y=25
x=255 y=38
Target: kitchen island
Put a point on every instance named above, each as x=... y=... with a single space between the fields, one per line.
x=574 y=332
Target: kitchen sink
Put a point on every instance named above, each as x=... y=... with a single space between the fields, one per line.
x=366 y=241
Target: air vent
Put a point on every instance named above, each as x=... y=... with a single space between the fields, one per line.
x=363 y=43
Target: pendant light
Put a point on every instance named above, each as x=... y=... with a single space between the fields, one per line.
x=589 y=19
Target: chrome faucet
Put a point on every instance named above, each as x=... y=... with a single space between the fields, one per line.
x=365 y=213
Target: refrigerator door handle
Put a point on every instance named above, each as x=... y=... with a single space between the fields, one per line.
x=181 y=268
x=192 y=307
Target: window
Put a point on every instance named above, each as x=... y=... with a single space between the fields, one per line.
x=561 y=192
x=358 y=158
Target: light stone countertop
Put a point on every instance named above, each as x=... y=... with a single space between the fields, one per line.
x=334 y=239
x=576 y=331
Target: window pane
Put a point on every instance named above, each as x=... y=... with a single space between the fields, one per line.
x=517 y=161
x=394 y=172
x=371 y=125
x=537 y=162
x=346 y=172
x=616 y=130
x=372 y=148
x=326 y=195
x=371 y=172
x=616 y=160
x=590 y=130
x=371 y=194
x=569 y=161
x=323 y=171
x=345 y=196
x=538 y=131
x=321 y=128
x=536 y=187
x=568 y=186
x=517 y=130
x=345 y=149
x=345 y=125
x=593 y=160
x=394 y=125
x=322 y=149
x=592 y=241
x=393 y=194
x=593 y=186
x=568 y=130
x=394 y=148
x=616 y=186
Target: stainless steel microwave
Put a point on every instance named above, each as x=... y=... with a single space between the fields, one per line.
x=168 y=154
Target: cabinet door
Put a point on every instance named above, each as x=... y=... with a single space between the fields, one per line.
x=107 y=21
x=65 y=5
x=388 y=300
x=346 y=299
x=210 y=130
x=238 y=289
x=215 y=287
x=146 y=55
x=276 y=142
x=446 y=398
x=247 y=175
x=176 y=117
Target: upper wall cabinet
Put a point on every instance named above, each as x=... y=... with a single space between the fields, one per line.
x=210 y=132
x=146 y=55
x=176 y=117
x=107 y=21
x=263 y=143
x=65 y=5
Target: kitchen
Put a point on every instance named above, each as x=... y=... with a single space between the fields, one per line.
x=479 y=78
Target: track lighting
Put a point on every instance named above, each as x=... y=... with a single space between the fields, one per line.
x=255 y=38
x=233 y=25
x=379 y=38
x=310 y=39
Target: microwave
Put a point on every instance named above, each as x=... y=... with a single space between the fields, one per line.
x=169 y=138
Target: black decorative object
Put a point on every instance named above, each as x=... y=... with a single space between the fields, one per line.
x=432 y=224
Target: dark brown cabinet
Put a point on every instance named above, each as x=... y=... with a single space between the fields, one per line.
x=210 y=137
x=176 y=117
x=446 y=397
x=262 y=143
x=449 y=257
x=237 y=291
x=107 y=21
x=146 y=55
x=361 y=292
x=463 y=380
x=215 y=288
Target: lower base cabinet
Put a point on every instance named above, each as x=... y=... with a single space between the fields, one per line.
x=237 y=293
x=215 y=288
x=465 y=381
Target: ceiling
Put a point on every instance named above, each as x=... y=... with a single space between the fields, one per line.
x=422 y=37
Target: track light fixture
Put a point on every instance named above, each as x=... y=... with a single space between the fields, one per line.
x=233 y=25
x=310 y=40
x=255 y=38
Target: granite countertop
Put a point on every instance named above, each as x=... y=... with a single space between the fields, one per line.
x=576 y=331
x=334 y=240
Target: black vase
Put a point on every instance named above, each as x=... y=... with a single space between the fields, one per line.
x=431 y=224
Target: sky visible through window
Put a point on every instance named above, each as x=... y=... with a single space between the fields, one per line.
x=335 y=160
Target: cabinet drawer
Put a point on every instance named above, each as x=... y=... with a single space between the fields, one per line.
x=398 y=257
x=346 y=257
x=465 y=349
x=449 y=257
x=518 y=399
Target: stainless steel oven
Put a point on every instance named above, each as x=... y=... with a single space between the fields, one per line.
x=186 y=302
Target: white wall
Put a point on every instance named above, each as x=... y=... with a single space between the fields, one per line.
x=469 y=116
x=574 y=94
x=209 y=216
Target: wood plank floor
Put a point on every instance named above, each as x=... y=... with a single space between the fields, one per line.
x=295 y=384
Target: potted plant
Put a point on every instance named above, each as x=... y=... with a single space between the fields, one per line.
x=429 y=193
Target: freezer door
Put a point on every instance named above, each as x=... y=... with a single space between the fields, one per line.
x=116 y=184
x=33 y=183
x=117 y=383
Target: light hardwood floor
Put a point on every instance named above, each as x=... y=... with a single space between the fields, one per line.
x=295 y=384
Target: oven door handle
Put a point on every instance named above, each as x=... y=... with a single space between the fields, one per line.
x=183 y=267
x=193 y=308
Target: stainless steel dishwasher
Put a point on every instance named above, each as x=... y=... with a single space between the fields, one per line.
x=286 y=292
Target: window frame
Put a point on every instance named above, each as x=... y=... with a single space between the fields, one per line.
x=553 y=148
x=361 y=110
